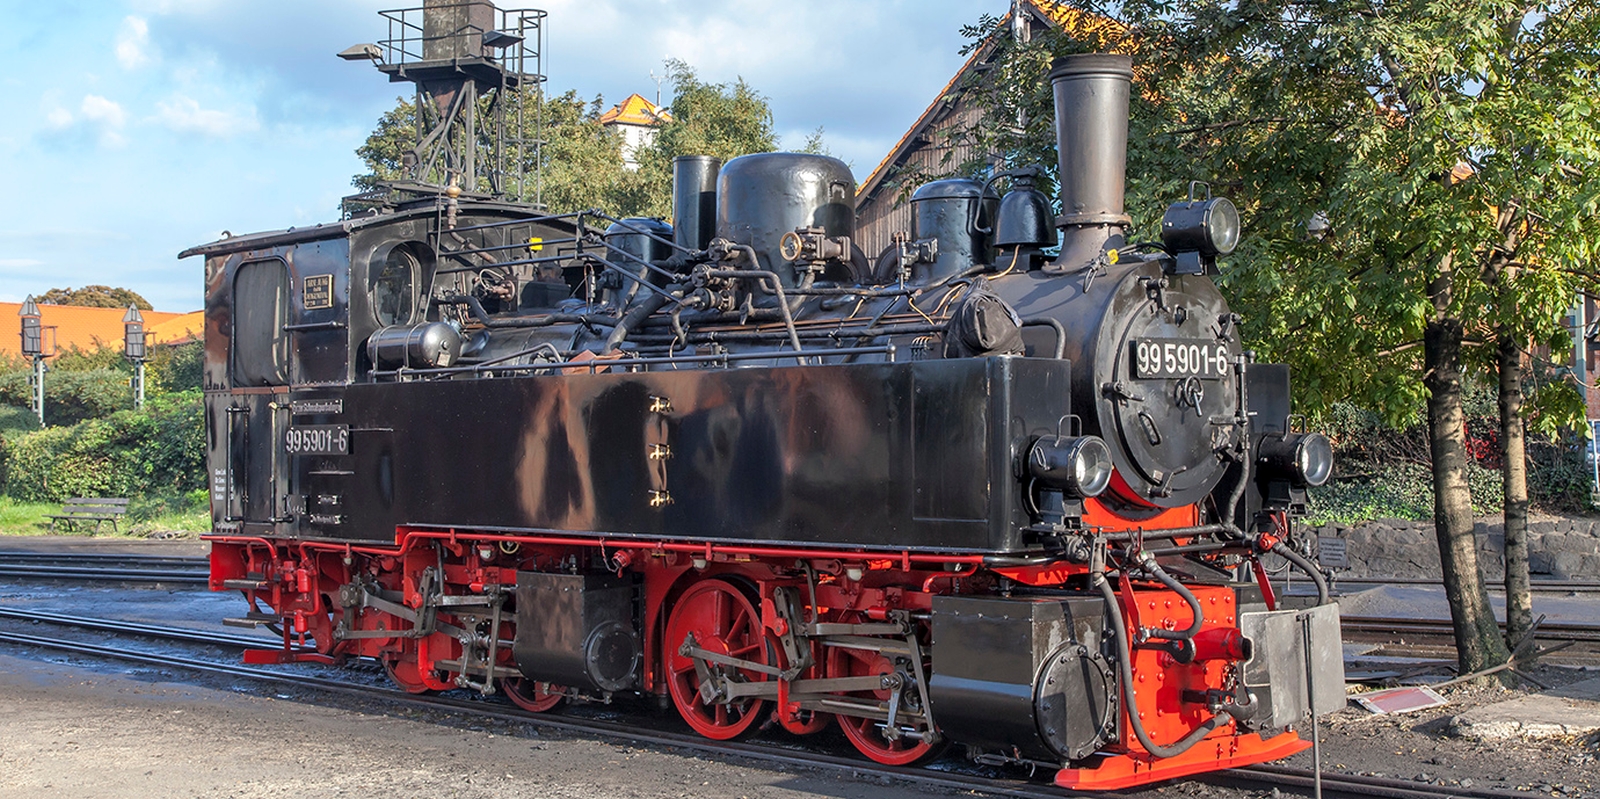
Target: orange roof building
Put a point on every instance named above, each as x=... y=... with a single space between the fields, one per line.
x=636 y=119
x=75 y=326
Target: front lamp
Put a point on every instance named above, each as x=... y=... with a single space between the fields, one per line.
x=1304 y=459
x=1209 y=227
x=1078 y=466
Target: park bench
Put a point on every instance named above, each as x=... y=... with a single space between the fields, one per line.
x=78 y=511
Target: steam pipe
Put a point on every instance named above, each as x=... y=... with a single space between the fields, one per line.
x=1306 y=566
x=471 y=302
x=650 y=305
x=1054 y=324
x=1149 y=564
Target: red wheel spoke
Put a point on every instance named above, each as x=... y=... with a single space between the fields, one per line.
x=721 y=619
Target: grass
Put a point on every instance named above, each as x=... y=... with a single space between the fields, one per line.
x=24 y=518
x=185 y=514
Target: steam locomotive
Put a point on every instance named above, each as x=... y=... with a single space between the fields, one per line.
x=959 y=491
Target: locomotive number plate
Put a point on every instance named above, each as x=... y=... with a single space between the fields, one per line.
x=1156 y=358
x=317 y=439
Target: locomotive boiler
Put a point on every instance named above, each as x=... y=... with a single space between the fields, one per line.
x=955 y=492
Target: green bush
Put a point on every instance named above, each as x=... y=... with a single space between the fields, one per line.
x=16 y=420
x=1385 y=472
x=179 y=368
x=71 y=396
x=159 y=450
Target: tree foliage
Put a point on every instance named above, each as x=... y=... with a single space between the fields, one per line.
x=1452 y=146
x=1418 y=128
x=159 y=450
x=95 y=296
x=581 y=161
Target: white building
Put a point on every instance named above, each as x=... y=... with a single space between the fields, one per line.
x=637 y=119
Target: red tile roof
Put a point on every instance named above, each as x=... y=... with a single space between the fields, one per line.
x=68 y=326
x=636 y=111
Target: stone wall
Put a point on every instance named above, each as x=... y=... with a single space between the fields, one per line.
x=1559 y=548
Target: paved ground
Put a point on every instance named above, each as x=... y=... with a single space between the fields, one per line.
x=87 y=733
x=1568 y=712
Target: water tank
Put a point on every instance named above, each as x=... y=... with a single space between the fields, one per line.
x=763 y=196
x=629 y=243
x=951 y=211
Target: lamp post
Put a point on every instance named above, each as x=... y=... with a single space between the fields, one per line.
x=33 y=349
x=133 y=348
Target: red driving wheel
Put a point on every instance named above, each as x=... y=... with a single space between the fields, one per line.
x=532 y=696
x=867 y=734
x=720 y=619
x=405 y=674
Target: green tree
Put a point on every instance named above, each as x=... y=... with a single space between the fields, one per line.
x=718 y=119
x=581 y=161
x=95 y=296
x=1454 y=150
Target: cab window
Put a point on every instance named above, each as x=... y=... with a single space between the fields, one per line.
x=260 y=311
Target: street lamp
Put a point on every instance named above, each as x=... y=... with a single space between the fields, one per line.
x=133 y=348
x=33 y=349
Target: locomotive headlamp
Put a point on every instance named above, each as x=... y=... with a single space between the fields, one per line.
x=1209 y=226
x=1079 y=466
x=1304 y=459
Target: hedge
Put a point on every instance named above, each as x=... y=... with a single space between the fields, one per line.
x=157 y=451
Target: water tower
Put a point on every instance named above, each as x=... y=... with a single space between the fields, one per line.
x=479 y=80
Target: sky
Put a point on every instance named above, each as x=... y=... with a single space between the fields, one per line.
x=138 y=128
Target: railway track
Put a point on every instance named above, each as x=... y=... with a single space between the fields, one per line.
x=1379 y=625
x=1259 y=778
x=105 y=567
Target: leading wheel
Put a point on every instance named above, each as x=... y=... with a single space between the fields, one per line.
x=868 y=735
x=718 y=618
x=534 y=697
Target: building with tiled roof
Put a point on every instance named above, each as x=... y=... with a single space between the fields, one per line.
x=75 y=326
x=934 y=145
x=637 y=120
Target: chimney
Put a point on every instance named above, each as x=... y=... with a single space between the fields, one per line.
x=1092 y=144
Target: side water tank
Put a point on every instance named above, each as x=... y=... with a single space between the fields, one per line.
x=763 y=196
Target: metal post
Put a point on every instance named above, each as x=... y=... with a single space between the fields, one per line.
x=38 y=387
x=1311 y=704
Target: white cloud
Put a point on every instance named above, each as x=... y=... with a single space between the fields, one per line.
x=58 y=117
x=185 y=115
x=133 y=43
x=107 y=112
x=7 y=263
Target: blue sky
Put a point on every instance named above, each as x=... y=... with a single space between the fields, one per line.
x=140 y=127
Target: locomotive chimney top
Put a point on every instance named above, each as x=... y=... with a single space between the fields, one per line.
x=1091 y=93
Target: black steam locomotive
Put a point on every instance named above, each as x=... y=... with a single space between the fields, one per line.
x=952 y=492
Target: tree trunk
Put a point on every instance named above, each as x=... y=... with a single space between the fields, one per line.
x=1514 y=471
x=1478 y=642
